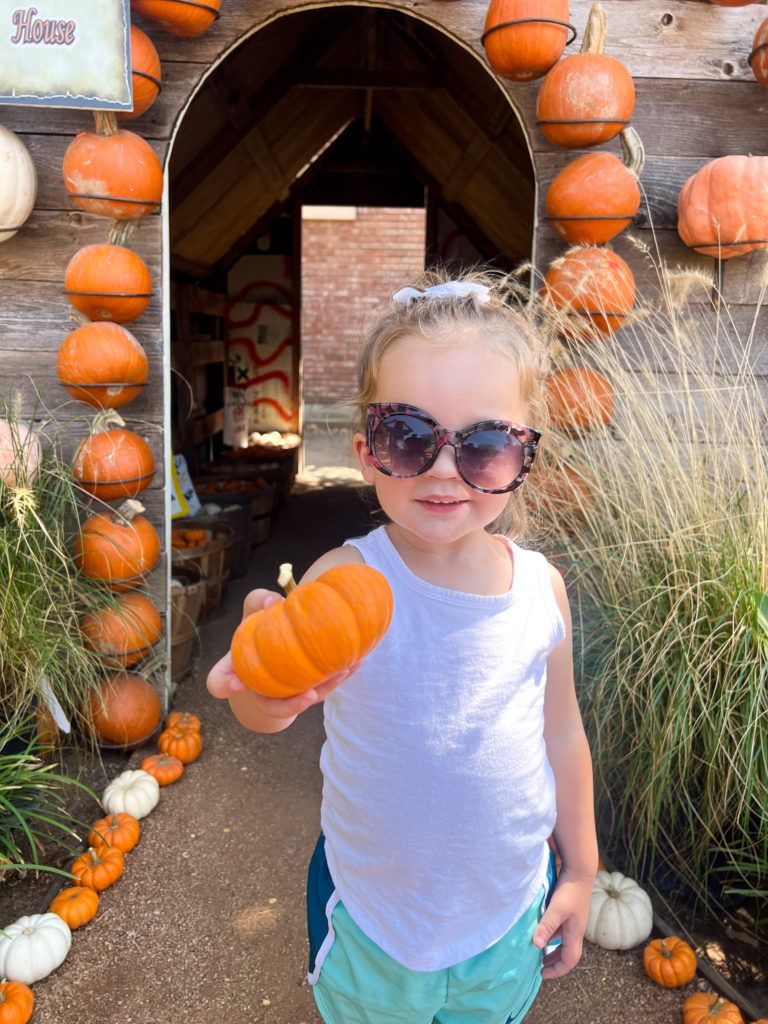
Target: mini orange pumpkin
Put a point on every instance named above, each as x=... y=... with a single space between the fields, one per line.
x=121 y=830
x=99 y=868
x=183 y=720
x=322 y=627
x=578 y=398
x=184 y=744
x=118 y=548
x=524 y=38
x=102 y=364
x=16 y=1002
x=707 y=1008
x=758 y=58
x=592 y=289
x=670 y=962
x=108 y=282
x=123 y=633
x=113 y=462
x=165 y=767
x=76 y=906
x=146 y=73
x=179 y=17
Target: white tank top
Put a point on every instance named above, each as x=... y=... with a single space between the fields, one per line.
x=438 y=798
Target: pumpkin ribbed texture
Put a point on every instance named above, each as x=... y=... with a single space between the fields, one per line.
x=75 y=905
x=116 y=549
x=321 y=628
x=722 y=209
x=592 y=289
x=113 y=462
x=597 y=185
x=102 y=364
x=670 y=962
x=18 y=183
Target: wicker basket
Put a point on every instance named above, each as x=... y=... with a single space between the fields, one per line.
x=213 y=559
x=187 y=603
x=261 y=501
x=235 y=514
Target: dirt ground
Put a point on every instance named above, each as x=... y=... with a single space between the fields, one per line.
x=207 y=924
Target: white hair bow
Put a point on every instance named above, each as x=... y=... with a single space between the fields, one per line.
x=443 y=291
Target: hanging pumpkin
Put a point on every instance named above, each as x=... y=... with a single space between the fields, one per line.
x=16 y=1002
x=322 y=627
x=20 y=453
x=121 y=830
x=125 y=710
x=670 y=962
x=164 y=767
x=118 y=548
x=113 y=462
x=75 y=905
x=707 y=1008
x=112 y=172
x=123 y=633
x=579 y=398
x=185 y=744
x=179 y=17
x=524 y=38
x=18 y=183
x=146 y=74
x=587 y=97
x=758 y=58
x=722 y=209
x=102 y=364
x=108 y=282
x=596 y=196
x=591 y=290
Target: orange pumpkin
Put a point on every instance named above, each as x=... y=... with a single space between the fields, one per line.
x=722 y=209
x=75 y=905
x=112 y=172
x=670 y=962
x=146 y=73
x=707 y=1008
x=587 y=97
x=524 y=38
x=122 y=633
x=125 y=709
x=121 y=830
x=563 y=495
x=593 y=198
x=322 y=627
x=164 y=767
x=179 y=17
x=758 y=58
x=183 y=720
x=102 y=364
x=16 y=1002
x=113 y=462
x=591 y=289
x=108 y=282
x=578 y=398
x=733 y=3
x=185 y=744
x=118 y=548
x=98 y=869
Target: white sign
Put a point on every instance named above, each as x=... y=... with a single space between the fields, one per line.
x=66 y=53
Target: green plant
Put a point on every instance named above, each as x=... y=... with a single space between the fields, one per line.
x=668 y=568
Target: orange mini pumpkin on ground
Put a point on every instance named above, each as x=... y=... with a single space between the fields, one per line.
x=99 y=868
x=183 y=720
x=16 y=1002
x=670 y=962
x=165 y=767
x=184 y=744
x=322 y=627
x=121 y=830
x=76 y=906
x=707 y=1008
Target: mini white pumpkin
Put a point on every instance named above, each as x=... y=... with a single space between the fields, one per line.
x=134 y=791
x=33 y=946
x=620 y=912
x=18 y=183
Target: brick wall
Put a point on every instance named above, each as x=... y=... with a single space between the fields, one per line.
x=348 y=268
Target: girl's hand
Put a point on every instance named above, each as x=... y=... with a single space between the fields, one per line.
x=566 y=918
x=222 y=682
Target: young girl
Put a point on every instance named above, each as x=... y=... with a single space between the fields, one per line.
x=456 y=747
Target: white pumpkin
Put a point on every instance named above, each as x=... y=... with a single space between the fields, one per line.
x=33 y=946
x=620 y=912
x=18 y=183
x=134 y=791
x=20 y=453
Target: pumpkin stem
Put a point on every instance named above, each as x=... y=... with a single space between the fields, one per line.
x=633 y=150
x=121 y=232
x=285 y=578
x=105 y=419
x=596 y=30
x=106 y=122
x=129 y=509
x=79 y=318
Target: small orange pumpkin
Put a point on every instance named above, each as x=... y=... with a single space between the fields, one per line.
x=98 y=868
x=76 y=906
x=102 y=364
x=758 y=58
x=183 y=720
x=591 y=289
x=123 y=633
x=579 y=398
x=707 y=1008
x=113 y=462
x=524 y=38
x=179 y=17
x=118 y=548
x=121 y=830
x=16 y=1002
x=184 y=744
x=670 y=962
x=722 y=209
x=146 y=73
x=322 y=627
x=165 y=767
x=125 y=709
x=108 y=282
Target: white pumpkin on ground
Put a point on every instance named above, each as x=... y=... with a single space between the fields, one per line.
x=33 y=946
x=134 y=791
x=20 y=453
x=620 y=912
x=18 y=183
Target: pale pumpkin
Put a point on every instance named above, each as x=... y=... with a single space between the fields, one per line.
x=20 y=453
x=722 y=209
x=620 y=912
x=134 y=791
x=33 y=946
x=18 y=184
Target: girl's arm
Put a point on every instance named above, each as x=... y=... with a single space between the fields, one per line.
x=273 y=714
x=569 y=756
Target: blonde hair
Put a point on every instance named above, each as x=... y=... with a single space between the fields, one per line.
x=509 y=328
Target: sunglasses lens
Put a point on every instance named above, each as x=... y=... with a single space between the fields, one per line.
x=403 y=444
x=491 y=459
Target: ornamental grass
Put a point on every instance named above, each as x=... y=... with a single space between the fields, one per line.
x=659 y=524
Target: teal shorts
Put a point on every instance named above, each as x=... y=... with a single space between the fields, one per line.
x=356 y=982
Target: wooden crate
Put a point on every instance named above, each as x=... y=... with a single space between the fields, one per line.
x=187 y=601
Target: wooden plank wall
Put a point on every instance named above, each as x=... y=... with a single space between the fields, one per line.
x=696 y=99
